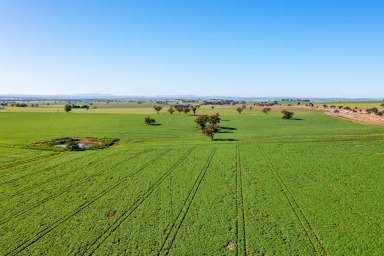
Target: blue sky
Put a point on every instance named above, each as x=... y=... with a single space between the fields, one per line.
x=307 y=48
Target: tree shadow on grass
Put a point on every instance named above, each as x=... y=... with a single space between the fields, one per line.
x=225 y=140
x=156 y=124
x=228 y=128
x=296 y=119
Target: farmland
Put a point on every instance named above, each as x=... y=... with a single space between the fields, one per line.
x=265 y=186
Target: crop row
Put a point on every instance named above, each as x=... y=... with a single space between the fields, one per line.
x=96 y=215
x=47 y=217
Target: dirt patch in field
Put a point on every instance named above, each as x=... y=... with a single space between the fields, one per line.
x=112 y=214
x=229 y=246
x=357 y=117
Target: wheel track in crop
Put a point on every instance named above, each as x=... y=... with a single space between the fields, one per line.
x=136 y=204
x=23 y=190
x=240 y=204
x=346 y=200
x=66 y=173
x=176 y=225
x=312 y=236
x=236 y=203
x=39 y=171
x=67 y=188
x=21 y=247
x=27 y=161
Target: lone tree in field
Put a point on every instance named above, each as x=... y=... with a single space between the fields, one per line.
x=194 y=108
x=157 y=108
x=266 y=110
x=210 y=130
x=209 y=125
x=239 y=110
x=287 y=114
x=171 y=110
x=68 y=108
x=149 y=121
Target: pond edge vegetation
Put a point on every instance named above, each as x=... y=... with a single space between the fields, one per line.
x=74 y=144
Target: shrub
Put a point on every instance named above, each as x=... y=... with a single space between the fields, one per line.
x=187 y=110
x=171 y=110
x=149 y=121
x=287 y=114
x=373 y=110
x=239 y=110
x=68 y=108
x=266 y=110
x=194 y=108
x=180 y=108
x=157 y=108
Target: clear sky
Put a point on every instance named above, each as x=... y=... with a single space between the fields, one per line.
x=307 y=48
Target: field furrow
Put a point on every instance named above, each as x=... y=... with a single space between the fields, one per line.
x=28 y=161
x=64 y=188
x=175 y=227
x=111 y=210
x=156 y=214
x=241 y=240
x=139 y=201
x=108 y=188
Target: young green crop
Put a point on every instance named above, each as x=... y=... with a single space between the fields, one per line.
x=265 y=186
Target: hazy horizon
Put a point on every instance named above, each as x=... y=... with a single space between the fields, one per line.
x=311 y=49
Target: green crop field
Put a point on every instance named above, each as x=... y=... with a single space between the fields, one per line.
x=266 y=186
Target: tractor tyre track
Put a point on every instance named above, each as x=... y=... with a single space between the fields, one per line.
x=39 y=171
x=136 y=204
x=21 y=247
x=240 y=202
x=27 y=161
x=176 y=225
x=68 y=173
x=66 y=189
x=312 y=236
